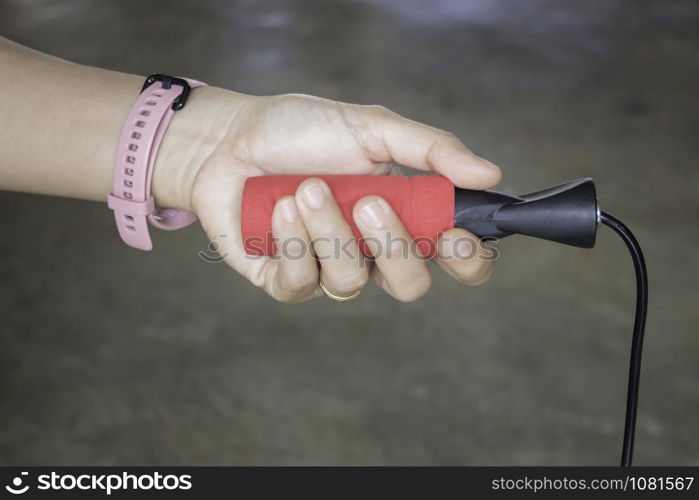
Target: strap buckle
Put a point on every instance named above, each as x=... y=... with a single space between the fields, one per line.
x=168 y=81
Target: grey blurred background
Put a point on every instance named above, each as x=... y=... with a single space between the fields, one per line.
x=114 y=356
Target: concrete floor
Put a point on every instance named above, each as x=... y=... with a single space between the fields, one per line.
x=112 y=356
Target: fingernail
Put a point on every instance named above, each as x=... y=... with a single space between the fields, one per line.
x=314 y=195
x=373 y=215
x=288 y=210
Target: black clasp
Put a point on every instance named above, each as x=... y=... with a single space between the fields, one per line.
x=168 y=81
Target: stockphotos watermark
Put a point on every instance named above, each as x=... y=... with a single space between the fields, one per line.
x=335 y=248
x=99 y=483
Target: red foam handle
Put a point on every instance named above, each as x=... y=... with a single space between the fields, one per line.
x=425 y=205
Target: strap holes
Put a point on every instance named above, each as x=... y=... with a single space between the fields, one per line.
x=128 y=183
x=136 y=135
x=131 y=228
x=150 y=103
x=127 y=195
x=140 y=124
x=128 y=218
x=144 y=112
x=128 y=171
x=130 y=159
x=155 y=94
x=133 y=147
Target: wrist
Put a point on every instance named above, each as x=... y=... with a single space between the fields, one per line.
x=191 y=138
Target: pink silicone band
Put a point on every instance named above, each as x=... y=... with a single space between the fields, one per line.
x=140 y=139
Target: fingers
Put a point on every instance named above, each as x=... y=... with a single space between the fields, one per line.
x=388 y=136
x=399 y=269
x=343 y=269
x=296 y=277
x=465 y=257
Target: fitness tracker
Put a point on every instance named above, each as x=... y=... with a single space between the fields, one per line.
x=141 y=135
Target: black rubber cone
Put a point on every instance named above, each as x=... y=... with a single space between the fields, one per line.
x=567 y=214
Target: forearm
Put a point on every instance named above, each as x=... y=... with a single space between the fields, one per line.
x=61 y=123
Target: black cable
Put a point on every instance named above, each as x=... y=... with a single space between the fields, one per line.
x=639 y=327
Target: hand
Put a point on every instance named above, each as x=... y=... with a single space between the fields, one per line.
x=305 y=135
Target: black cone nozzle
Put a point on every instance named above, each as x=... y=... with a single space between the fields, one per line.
x=567 y=213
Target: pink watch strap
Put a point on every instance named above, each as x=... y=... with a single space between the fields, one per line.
x=140 y=139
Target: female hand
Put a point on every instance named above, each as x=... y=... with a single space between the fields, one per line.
x=305 y=135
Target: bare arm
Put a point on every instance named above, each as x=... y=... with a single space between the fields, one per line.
x=61 y=121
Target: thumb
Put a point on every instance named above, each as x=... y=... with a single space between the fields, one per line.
x=388 y=136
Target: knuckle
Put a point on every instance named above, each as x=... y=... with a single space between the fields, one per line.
x=476 y=274
x=293 y=248
x=326 y=240
x=298 y=286
x=281 y=300
x=378 y=110
x=448 y=137
x=469 y=274
x=398 y=248
x=291 y=299
x=414 y=291
x=350 y=282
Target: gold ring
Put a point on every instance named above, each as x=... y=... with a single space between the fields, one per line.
x=337 y=297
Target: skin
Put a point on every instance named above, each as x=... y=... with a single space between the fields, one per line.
x=61 y=122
